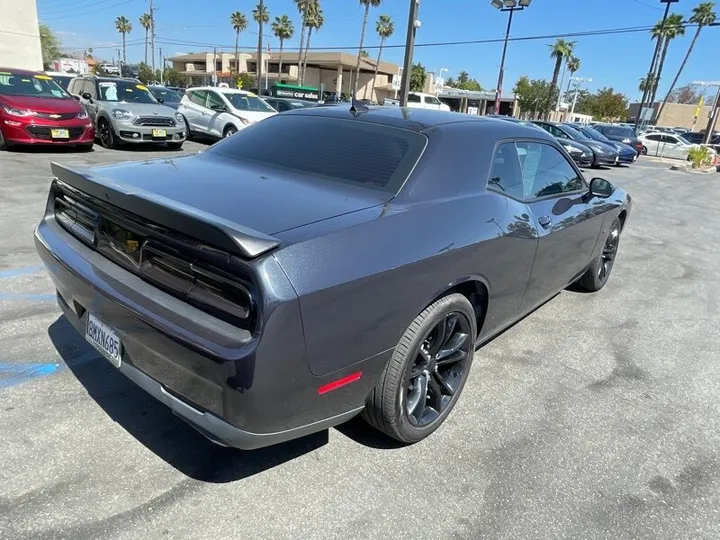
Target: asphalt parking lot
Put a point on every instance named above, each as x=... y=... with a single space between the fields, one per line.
x=598 y=416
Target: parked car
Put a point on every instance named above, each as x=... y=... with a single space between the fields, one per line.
x=124 y=111
x=178 y=89
x=621 y=134
x=110 y=69
x=581 y=154
x=165 y=95
x=324 y=263
x=626 y=153
x=34 y=109
x=221 y=112
x=419 y=100
x=697 y=137
x=287 y=104
x=603 y=154
x=62 y=78
x=666 y=145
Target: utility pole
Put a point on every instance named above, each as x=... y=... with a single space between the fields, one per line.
x=162 y=66
x=214 y=67
x=152 y=36
x=413 y=25
x=258 y=64
x=578 y=82
x=712 y=120
x=649 y=80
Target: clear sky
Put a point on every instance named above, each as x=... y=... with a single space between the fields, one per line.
x=616 y=61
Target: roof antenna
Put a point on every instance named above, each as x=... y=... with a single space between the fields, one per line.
x=356 y=107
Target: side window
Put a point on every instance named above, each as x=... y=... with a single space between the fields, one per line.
x=282 y=106
x=89 y=87
x=506 y=175
x=199 y=97
x=214 y=101
x=670 y=139
x=655 y=137
x=73 y=85
x=546 y=172
x=413 y=98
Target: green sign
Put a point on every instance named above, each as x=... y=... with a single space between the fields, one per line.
x=307 y=93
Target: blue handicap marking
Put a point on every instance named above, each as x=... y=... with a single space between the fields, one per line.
x=19 y=373
x=24 y=271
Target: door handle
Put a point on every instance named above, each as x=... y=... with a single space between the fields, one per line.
x=545 y=222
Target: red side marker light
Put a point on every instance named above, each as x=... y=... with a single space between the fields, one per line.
x=334 y=385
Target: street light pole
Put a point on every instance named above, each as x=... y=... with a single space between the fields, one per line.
x=578 y=82
x=511 y=6
x=713 y=109
x=413 y=25
x=649 y=82
x=258 y=64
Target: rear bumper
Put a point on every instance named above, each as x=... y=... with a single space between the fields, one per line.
x=235 y=388
x=628 y=158
x=605 y=159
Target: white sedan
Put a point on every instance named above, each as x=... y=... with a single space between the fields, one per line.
x=221 y=112
x=665 y=145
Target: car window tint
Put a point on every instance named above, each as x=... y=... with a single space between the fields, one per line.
x=329 y=149
x=89 y=87
x=199 y=97
x=654 y=137
x=546 y=172
x=506 y=175
x=413 y=98
x=213 y=100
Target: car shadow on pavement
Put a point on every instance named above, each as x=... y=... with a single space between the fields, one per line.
x=48 y=149
x=155 y=426
x=362 y=433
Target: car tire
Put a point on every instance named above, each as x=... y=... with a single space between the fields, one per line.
x=229 y=131
x=599 y=271
x=188 y=131
x=3 y=144
x=643 y=151
x=426 y=372
x=106 y=134
x=175 y=145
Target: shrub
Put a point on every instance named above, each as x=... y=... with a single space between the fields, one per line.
x=700 y=155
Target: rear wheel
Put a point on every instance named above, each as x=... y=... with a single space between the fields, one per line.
x=106 y=134
x=229 y=131
x=599 y=271
x=643 y=151
x=427 y=372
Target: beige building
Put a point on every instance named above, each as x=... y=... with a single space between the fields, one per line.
x=676 y=115
x=327 y=71
x=19 y=35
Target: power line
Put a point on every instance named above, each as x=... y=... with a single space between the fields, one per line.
x=72 y=6
x=647 y=5
x=74 y=15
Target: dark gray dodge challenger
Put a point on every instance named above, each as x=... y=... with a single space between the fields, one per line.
x=324 y=263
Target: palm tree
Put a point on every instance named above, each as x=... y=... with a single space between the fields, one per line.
x=673 y=27
x=703 y=15
x=560 y=50
x=239 y=24
x=573 y=65
x=385 y=27
x=303 y=7
x=265 y=14
x=146 y=23
x=367 y=4
x=314 y=21
x=645 y=84
x=261 y=17
x=283 y=29
x=124 y=27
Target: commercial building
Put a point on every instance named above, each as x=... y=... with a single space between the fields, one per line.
x=676 y=115
x=330 y=72
x=477 y=102
x=19 y=35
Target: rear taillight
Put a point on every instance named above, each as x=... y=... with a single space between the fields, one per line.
x=76 y=218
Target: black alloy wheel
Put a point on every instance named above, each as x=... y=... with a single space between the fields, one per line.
x=610 y=249
x=427 y=371
x=107 y=137
x=439 y=367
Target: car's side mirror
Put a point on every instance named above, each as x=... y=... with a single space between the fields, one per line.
x=160 y=100
x=86 y=95
x=601 y=188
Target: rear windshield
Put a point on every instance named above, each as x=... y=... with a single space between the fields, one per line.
x=618 y=131
x=40 y=86
x=329 y=149
x=167 y=95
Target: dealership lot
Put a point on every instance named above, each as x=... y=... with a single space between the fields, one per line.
x=595 y=417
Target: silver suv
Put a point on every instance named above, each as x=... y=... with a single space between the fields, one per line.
x=124 y=111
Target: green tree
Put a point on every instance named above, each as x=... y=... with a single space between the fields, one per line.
x=173 y=77
x=703 y=15
x=313 y=21
x=605 y=104
x=239 y=24
x=385 y=28
x=265 y=14
x=283 y=29
x=673 y=27
x=573 y=65
x=145 y=73
x=532 y=95
x=559 y=51
x=124 y=27
x=464 y=82
x=49 y=45
x=417 y=78
x=245 y=81
x=366 y=4
x=146 y=23
x=646 y=83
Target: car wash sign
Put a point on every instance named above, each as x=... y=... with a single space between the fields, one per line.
x=295 y=92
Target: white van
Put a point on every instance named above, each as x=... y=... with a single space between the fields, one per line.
x=419 y=100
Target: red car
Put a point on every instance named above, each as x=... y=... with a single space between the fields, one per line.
x=34 y=109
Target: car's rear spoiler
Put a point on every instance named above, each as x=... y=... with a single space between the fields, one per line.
x=221 y=233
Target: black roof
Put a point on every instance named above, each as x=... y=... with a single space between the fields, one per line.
x=417 y=119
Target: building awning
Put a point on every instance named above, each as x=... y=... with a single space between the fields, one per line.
x=449 y=92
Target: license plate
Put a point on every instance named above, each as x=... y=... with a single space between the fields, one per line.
x=104 y=339
x=159 y=132
x=59 y=133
